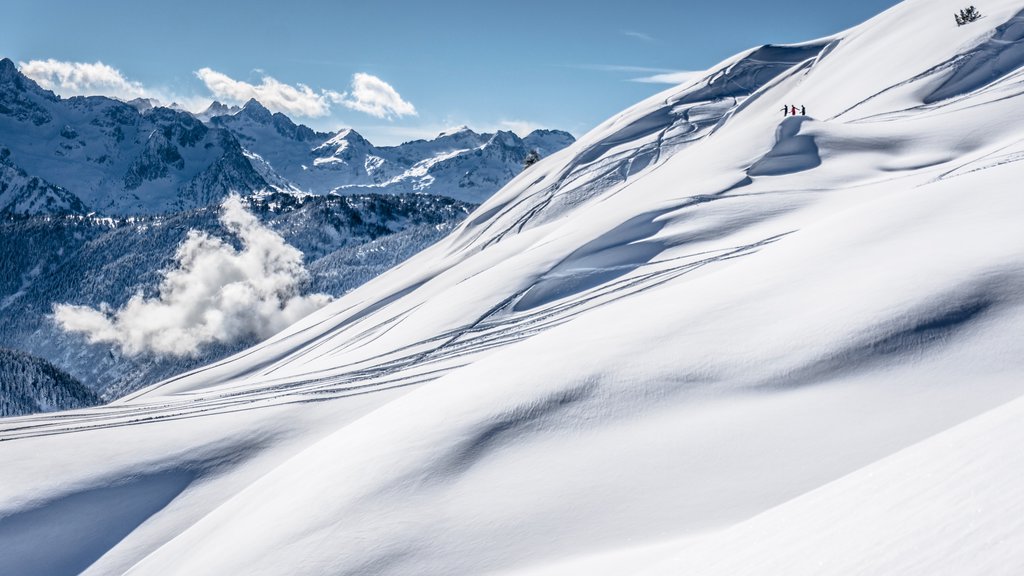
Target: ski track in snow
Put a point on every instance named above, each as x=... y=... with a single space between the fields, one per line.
x=447 y=351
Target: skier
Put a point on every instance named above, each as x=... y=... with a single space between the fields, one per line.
x=794 y=110
x=803 y=110
x=785 y=111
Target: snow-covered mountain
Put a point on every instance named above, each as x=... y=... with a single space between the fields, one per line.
x=459 y=163
x=101 y=155
x=703 y=339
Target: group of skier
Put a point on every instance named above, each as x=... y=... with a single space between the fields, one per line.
x=792 y=111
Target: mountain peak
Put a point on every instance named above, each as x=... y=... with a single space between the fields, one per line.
x=348 y=134
x=456 y=131
x=143 y=104
x=549 y=132
x=10 y=75
x=7 y=67
x=342 y=140
x=217 y=108
x=505 y=138
x=258 y=112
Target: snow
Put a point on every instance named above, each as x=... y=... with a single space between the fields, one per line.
x=938 y=507
x=702 y=339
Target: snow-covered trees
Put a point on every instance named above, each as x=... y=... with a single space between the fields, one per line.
x=30 y=384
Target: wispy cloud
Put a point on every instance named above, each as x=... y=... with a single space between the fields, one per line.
x=649 y=75
x=373 y=96
x=213 y=293
x=639 y=36
x=620 y=68
x=677 y=77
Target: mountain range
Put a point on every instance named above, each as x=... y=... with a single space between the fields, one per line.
x=458 y=163
x=100 y=155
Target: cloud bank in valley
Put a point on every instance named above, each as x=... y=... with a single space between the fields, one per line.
x=214 y=293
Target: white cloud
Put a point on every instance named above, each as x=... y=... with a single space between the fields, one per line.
x=369 y=95
x=82 y=78
x=97 y=78
x=299 y=100
x=679 y=77
x=214 y=293
x=375 y=97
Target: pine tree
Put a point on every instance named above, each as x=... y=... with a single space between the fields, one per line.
x=967 y=15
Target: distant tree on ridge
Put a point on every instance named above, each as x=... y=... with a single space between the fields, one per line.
x=532 y=158
x=967 y=15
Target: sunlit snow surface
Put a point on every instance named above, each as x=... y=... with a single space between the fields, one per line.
x=701 y=340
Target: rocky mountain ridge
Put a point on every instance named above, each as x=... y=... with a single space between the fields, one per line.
x=99 y=155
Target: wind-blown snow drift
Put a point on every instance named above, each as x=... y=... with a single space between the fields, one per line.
x=213 y=293
x=682 y=344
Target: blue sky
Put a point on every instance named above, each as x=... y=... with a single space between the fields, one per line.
x=403 y=69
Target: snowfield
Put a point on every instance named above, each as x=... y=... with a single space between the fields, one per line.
x=703 y=339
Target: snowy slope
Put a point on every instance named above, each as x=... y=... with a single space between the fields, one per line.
x=703 y=339
x=938 y=507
